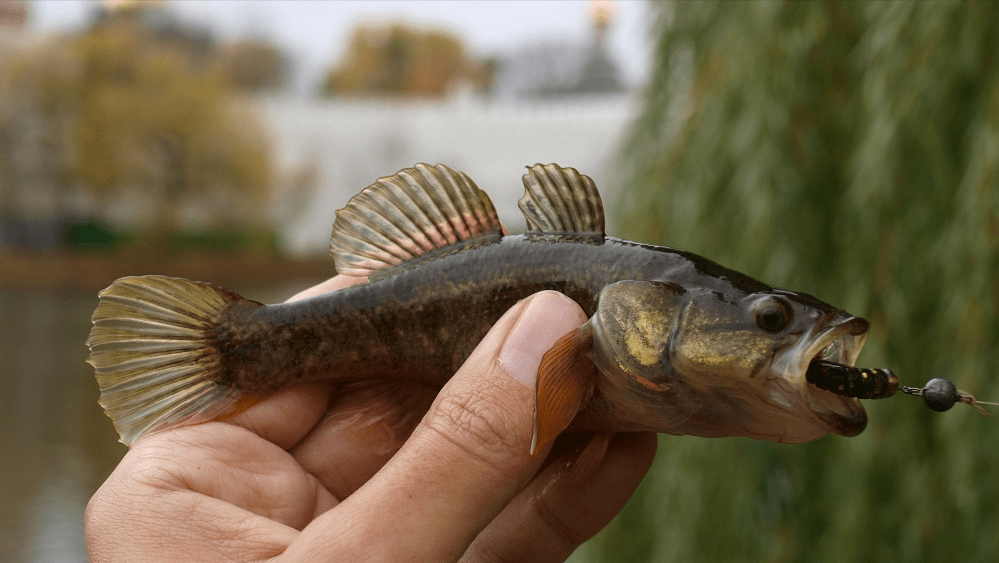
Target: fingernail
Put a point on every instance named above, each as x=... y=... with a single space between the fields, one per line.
x=547 y=317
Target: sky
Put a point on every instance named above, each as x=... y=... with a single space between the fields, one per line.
x=315 y=33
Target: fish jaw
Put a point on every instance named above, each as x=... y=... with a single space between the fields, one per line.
x=779 y=404
x=837 y=337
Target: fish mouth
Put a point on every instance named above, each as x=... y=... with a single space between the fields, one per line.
x=836 y=337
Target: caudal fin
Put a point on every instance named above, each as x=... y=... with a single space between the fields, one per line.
x=154 y=355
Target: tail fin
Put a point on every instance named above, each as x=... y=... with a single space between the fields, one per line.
x=152 y=349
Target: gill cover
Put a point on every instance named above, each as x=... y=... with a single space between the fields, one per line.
x=634 y=323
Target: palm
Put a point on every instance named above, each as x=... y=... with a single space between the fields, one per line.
x=272 y=468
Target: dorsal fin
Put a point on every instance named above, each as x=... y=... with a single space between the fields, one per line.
x=402 y=217
x=561 y=200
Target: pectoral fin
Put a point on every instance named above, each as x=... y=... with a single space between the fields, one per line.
x=566 y=379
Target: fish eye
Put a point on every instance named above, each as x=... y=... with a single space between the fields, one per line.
x=772 y=314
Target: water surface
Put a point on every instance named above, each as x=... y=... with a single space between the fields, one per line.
x=58 y=446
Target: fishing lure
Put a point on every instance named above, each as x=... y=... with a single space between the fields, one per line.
x=939 y=394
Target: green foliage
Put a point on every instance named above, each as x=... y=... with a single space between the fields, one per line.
x=224 y=241
x=849 y=150
x=94 y=235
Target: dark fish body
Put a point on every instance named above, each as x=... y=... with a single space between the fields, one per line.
x=417 y=325
x=675 y=343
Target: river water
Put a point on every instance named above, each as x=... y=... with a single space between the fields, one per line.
x=56 y=444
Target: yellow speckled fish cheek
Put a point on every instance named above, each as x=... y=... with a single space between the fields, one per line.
x=637 y=318
x=648 y=336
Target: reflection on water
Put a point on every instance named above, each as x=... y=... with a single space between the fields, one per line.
x=58 y=447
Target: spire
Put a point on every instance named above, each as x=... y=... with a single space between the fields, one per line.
x=599 y=75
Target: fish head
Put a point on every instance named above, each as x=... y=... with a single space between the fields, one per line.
x=709 y=363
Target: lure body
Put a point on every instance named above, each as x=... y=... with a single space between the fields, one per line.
x=852 y=381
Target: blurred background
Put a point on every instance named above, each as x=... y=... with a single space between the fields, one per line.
x=845 y=149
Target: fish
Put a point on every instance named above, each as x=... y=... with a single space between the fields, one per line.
x=674 y=343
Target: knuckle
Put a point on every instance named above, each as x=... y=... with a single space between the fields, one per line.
x=563 y=535
x=477 y=423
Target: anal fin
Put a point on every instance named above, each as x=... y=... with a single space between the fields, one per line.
x=566 y=379
x=393 y=407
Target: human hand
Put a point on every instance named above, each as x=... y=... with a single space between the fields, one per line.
x=278 y=481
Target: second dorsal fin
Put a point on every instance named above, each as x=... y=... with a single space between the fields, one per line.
x=561 y=200
x=404 y=216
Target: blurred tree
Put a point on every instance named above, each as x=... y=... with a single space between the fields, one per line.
x=151 y=121
x=156 y=22
x=850 y=150
x=255 y=65
x=120 y=115
x=37 y=102
x=251 y=64
x=402 y=60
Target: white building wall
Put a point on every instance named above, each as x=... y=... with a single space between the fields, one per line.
x=352 y=143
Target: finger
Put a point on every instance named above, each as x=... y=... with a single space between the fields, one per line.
x=125 y=521
x=347 y=447
x=287 y=416
x=568 y=502
x=467 y=458
x=233 y=466
x=234 y=496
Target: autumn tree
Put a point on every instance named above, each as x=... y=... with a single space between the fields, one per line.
x=254 y=65
x=132 y=119
x=249 y=64
x=37 y=106
x=399 y=59
x=173 y=131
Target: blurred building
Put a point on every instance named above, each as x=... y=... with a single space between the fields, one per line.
x=559 y=69
x=350 y=144
x=561 y=103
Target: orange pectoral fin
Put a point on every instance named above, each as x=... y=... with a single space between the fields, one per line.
x=566 y=379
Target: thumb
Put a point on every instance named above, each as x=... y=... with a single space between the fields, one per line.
x=468 y=457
